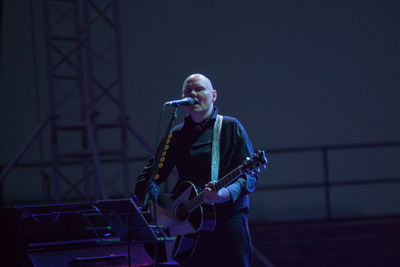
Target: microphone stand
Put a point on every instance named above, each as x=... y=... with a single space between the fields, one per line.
x=151 y=189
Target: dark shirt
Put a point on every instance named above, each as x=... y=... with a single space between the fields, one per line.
x=190 y=151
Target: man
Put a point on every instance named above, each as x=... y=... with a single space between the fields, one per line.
x=189 y=150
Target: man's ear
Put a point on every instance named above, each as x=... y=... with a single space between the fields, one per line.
x=214 y=94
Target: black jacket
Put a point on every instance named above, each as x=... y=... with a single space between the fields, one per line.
x=190 y=151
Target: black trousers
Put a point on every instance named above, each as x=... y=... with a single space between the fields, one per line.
x=228 y=245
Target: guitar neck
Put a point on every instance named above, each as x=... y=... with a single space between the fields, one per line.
x=224 y=181
x=227 y=179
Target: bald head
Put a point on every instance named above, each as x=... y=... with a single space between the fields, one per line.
x=199 y=78
x=199 y=87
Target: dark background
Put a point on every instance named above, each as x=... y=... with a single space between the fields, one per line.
x=298 y=74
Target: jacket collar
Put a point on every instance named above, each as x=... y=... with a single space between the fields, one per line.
x=213 y=115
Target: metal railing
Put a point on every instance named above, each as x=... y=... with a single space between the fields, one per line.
x=326 y=182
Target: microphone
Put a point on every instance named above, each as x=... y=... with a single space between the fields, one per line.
x=187 y=101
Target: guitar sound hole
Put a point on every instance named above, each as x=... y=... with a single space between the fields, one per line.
x=181 y=212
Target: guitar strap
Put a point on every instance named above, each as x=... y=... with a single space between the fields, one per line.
x=215 y=148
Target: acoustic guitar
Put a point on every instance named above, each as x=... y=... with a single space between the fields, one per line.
x=184 y=214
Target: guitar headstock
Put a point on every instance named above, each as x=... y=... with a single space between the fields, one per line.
x=256 y=161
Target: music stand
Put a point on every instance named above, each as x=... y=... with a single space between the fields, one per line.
x=126 y=220
x=129 y=224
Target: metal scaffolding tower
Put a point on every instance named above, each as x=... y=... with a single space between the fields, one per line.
x=84 y=71
x=87 y=115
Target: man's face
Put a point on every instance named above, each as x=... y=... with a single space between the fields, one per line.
x=201 y=91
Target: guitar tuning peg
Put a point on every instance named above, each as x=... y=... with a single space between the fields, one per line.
x=265 y=167
x=247 y=158
x=258 y=170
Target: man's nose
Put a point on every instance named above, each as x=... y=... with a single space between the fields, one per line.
x=191 y=93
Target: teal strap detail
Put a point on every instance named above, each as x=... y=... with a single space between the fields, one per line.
x=215 y=149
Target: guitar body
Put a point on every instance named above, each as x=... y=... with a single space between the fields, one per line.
x=181 y=222
x=184 y=215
